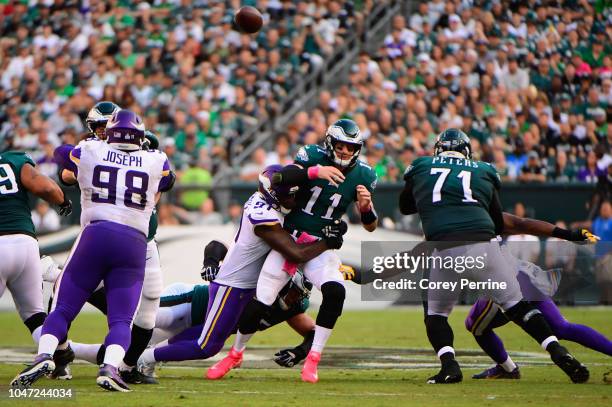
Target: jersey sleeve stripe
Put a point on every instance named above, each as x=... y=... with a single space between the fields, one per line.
x=73 y=158
x=262 y=221
x=165 y=173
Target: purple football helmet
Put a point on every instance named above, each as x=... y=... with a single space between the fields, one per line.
x=125 y=130
x=278 y=196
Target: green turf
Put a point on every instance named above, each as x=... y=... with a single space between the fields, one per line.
x=182 y=385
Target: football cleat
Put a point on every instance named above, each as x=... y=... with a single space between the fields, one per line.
x=62 y=358
x=134 y=376
x=222 y=367
x=576 y=371
x=450 y=373
x=309 y=371
x=43 y=365
x=498 y=372
x=109 y=379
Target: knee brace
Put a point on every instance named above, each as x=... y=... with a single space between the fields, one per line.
x=333 y=302
x=254 y=312
x=528 y=317
x=439 y=332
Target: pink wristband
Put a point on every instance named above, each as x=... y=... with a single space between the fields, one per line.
x=313 y=172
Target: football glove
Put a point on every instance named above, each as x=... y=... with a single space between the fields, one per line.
x=332 y=234
x=347 y=272
x=65 y=208
x=290 y=357
x=209 y=270
x=583 y=235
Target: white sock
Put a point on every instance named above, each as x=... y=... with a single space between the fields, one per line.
x=548 y=341
x=446 y=349
x=320 y=338
x=36 y=334
x=148 y=356
x=86 y=351
x=114 y=355
x=241 y=340
x=47 y=344
x=508 y=365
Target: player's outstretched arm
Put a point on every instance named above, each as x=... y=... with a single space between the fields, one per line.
x=302 y=323
x=295 y=174
x=281 y=241
x=41 y=185
x=517 y=225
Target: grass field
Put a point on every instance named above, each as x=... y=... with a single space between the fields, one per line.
x=362 y=372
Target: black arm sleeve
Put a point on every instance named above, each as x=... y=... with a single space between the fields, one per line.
x=496 y=212
x=291 y=175
x=407 y=204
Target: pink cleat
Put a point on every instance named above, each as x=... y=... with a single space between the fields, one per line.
x=222 y=367
x=309 y=371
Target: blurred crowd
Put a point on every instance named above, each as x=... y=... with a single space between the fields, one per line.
x=182 y=65
x=529 y=80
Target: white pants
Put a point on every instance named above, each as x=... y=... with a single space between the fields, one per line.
x=323 y=268
x=151 y=289
x=20 y=271
x=172 y=320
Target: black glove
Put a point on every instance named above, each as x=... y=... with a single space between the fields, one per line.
x=290 y=357
x=65 y=208
x=209 y=271
x=332 y=234
x=214 y=253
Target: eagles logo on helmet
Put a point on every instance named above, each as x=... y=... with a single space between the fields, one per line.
x=453 y=140
x=343 y=131
x=99 y=115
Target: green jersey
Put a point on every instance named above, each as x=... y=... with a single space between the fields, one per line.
x=453 y=195
x=318 y=202
x=15 y=211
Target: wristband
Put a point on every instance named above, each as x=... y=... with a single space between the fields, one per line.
x=313 y=172
x=562 y=233
x=369 y=216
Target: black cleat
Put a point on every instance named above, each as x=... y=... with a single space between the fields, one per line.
x=450 y=373
x=134 y=376
x=43 y=365
x=576 y=371
x=498 y=372
x=62 y=358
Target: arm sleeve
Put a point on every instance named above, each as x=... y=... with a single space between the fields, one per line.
x=407 y=204
x=61 y=155
x=495 y=210
x=168 y=178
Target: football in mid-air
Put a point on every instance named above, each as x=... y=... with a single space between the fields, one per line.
x=248 y=19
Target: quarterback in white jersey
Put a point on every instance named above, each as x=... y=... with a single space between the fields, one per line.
x=119 y=183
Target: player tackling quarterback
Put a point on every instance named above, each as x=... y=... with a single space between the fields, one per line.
x=319 y=203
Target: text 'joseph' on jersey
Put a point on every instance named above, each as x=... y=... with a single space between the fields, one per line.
x=15 y=211
x=453 y=194
x=318 y=202
x=118 y=186
x=247 y=254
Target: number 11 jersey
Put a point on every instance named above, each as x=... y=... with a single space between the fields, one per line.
x=118 y=186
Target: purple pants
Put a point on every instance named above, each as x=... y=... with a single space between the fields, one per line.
x=109 y=252
x=225 y=305
x=484 y=316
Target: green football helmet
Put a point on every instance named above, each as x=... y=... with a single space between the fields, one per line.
x=99 y=115
x=345 y=131
x=453 y=140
